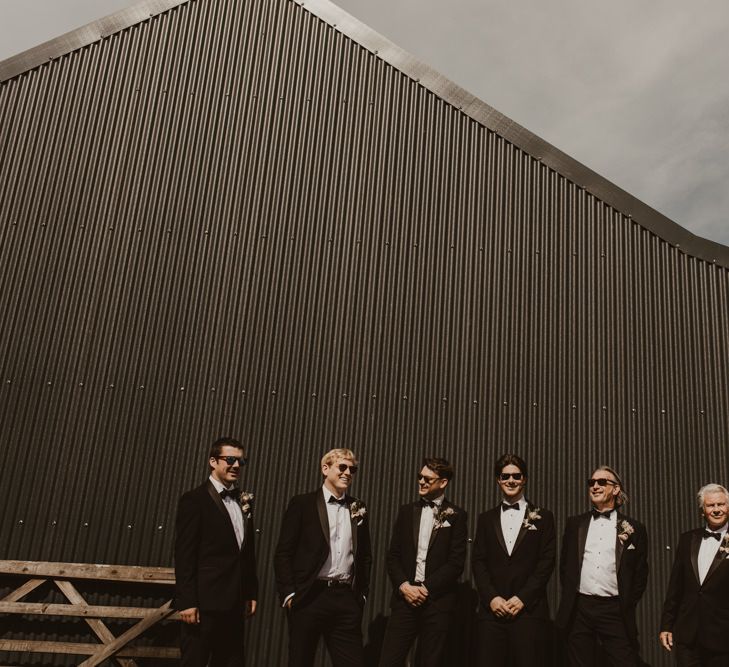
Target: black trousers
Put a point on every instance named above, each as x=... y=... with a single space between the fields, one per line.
x=334 y=614
x=216 y=641
x=519 y=642
x=598 y=619
x=695 y=656
x=427 y=623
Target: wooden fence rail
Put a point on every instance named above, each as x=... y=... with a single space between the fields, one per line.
x=62 y=574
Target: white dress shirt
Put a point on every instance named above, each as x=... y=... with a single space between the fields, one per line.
x=707 y=551
x=234 y=510
x=599 y=575
x=340 y=561
x=427 y=519
x=511 y=522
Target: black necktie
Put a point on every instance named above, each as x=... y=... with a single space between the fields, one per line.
x=337 y=501
x=230 y=493
x=601 y=515
x=708 y=533
x=506 y=506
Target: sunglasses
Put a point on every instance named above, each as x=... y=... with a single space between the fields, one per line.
x=230 y=460
x=352 y=469
x=427 y=480
x=600 y=482
x=509 y=475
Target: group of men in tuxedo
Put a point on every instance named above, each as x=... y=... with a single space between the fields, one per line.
x=323 y=558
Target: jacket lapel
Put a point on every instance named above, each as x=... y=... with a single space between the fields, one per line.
x=522 y=530
x=321 y=509
x=417 y=511
x=619 y=544
x=497 y=529
x=582 y=538
x=718 y=560
x=695 y=545
x=434 y=532
x=350 y=500
x=219 y=504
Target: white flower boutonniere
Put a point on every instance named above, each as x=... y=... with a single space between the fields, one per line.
x=441 y=516
x=625 y=530
x=724 y=547
x=246 y=504
x=530 y=517
x=358 y=512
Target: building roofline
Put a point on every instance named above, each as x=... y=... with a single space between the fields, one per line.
x=426 y=76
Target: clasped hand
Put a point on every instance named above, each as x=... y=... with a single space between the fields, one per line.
x=506 y=608
x=414 y=595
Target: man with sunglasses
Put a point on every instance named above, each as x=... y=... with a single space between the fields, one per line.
x=513 y=560
x=215 y=563
x=604 y=571
x=424 y=561
x=322 y=565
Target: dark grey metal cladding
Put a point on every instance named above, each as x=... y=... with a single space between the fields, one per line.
x=236 y=218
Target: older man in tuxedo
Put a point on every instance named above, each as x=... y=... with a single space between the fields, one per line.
x=322 y=565
x=513 y=560
x=215 y=562
x=424 y=561
x=604 y=572
x=695 y=619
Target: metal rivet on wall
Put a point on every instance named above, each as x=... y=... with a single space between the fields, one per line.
x=49 y=383
x=273 y=393
x=475 y=402
x=160 y=527
x=345 y=395
x=141 y=386
x=506 y=403
x=212 y=388
x=21 y=522
x=182 y=389
x=80 y=384
x=86 y=524
x=574 y=407
x=313 y=395
x=404 y=398
x=129 y=526
x=54 y=523
x=374 y=396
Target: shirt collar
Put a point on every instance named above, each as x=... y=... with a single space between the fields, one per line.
x=218 y=486
x=328 y=494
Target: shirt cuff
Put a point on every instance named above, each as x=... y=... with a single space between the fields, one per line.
x=287 y=598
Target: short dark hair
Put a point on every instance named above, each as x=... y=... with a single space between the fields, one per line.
x=510 y=460
x=440 y=467
x=225 y=441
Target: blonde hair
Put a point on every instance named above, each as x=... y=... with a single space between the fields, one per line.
x=709 y=488
x=334 y=454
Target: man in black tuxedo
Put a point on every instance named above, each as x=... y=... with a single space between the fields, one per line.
x=322 y=564
x=695 y=620
x=604 y=571
x=425 y=559
x=513 y=560
x=215 y=562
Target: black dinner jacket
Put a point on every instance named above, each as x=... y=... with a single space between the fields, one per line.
x=303 y=546
x=631 y=558
x=211 y=572
x=446 y=550
x=694 y=612
x=526 y=572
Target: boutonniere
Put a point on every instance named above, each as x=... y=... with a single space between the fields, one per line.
x=246 y=504
x=358 y=512
x=724 y=546
x=441 y=516
x=530 y=517
x=625 y=530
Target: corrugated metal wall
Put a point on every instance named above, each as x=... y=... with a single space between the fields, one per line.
x=232 y=218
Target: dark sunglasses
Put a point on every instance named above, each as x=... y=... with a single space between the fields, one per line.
x=427 y=480
x=506 y=475
x=600 y=482
x=230 y=460
x=352 y=469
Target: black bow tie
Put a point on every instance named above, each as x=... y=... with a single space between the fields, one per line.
x=230 y=493
x=506 y=506
x=716 y=536
x=427 y=503
x=597 y=514
x=338 y=501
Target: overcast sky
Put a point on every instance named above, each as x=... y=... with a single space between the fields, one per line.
x=635 y=89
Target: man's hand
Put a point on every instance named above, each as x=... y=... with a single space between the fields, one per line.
x=190 y=616
x=289 y=602
x=666 y=640
x=500 y=607
x=515 y=605
x=251 y=608
x=414 y=595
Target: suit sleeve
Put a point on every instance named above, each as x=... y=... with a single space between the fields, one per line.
x=187 y=540
x=674 y=594
x=537 y=581
x=393 y=558
x=479 y=563
x=640 y=580
x=447 y=574
x=283 y=559
x=565 y=550
x=250 y=577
